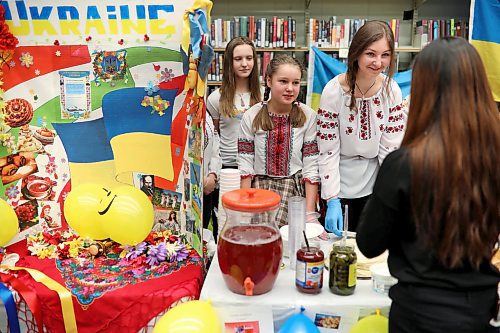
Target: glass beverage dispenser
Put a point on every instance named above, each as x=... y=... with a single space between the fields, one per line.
x=250 y=246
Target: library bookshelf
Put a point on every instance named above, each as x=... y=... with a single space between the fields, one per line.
x=293 y=27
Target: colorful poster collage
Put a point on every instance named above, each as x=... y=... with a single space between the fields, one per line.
x=103 y=100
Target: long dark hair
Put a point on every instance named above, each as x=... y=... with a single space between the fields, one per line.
x=297 y=116
x=369 y=33
x=228 y=87
x=453 y=141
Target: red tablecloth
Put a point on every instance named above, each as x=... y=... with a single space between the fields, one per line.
x=108 y=297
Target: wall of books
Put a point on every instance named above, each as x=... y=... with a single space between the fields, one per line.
x=295 y=26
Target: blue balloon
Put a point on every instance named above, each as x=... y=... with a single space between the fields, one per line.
x=299 y=323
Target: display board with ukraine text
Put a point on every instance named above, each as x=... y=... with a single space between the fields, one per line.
x=105 y=92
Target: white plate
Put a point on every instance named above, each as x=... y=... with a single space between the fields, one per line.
x=312 y=230
x=350 y=234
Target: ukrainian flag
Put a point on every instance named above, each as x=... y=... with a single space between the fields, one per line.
x=89 y=153
x=140 y=137
x=323 y=68
x=484 y=35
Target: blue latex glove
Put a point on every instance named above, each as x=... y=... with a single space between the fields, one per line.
x=334 y=221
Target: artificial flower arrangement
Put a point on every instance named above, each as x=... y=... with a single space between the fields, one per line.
x=158 y=247
x=8 y=43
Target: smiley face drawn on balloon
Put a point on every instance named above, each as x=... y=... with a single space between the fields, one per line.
x=127 y=215
x=106 y=199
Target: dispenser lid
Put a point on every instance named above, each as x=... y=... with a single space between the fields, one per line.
x=251 y=200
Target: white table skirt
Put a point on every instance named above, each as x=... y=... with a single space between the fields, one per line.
x=286 y=300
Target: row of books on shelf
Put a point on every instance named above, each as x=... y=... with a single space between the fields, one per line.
x=426 y=30
x=264 y=32
x=263 y=58
x=217 y=68
x=330 y=33
x=278 y=32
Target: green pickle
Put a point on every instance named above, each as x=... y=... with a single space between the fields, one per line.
x=342 y=269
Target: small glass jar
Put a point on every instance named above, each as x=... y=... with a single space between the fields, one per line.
x=309 y=269
x=342 y=267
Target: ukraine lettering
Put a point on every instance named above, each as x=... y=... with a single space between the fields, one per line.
x=67 y=20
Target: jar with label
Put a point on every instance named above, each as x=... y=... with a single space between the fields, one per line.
x=309 y=269
x=342 y=268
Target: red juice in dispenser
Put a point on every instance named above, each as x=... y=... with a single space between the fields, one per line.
x=250 y=251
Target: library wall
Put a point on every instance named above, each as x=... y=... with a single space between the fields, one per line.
x=445 y=9
x=369 y=9
x=408 y=42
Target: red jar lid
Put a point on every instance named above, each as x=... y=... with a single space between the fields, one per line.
x=251 y=200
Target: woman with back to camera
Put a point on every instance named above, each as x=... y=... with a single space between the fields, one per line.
x=360 y=120
x=240 y=90
x=435 y=203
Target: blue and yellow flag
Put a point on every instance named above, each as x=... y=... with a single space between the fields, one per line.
x=139 y=133
x=132 y=136
x=89 y=152
x=323 y=68
x=484 y=35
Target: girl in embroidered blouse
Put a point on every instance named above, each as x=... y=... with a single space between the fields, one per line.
x=277 y=148
x=240 y=90
x=360 y=120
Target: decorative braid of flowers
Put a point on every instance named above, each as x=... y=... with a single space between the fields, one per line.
x=57 y=245
x=159 y=247
x=7 y=40
x=8 y=43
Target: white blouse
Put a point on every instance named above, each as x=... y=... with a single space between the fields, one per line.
x=229 y=127
x=282 y=151
x=352 y=145
x=211 y=154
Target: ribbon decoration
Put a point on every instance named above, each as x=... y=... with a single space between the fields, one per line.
x=68 y=311
x=198 y=28
x=10 y=308
x=186 y=26
x=29 y=296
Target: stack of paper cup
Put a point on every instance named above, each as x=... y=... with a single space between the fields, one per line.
x=229 y=180
x=296 y=224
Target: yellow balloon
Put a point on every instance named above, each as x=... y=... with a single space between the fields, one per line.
x=190 y=317
x=127 y=215
x=8 y=223
x=371 y=324
x=81 y=210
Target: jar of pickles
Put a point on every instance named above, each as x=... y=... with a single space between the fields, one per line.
x=342 y=269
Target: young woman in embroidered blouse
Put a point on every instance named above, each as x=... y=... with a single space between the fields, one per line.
x=360 y=120
x=240 y=90
x=277 y=146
